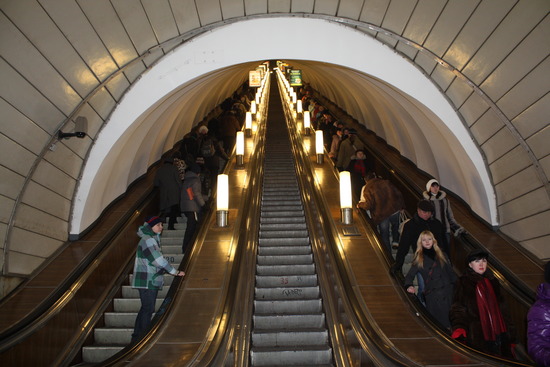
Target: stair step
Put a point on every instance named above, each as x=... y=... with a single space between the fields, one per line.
x=131 y=305
x=283 y=250
x=282 y=322
x=286 y=280
x=264 y=227
x=282 y=219
x=287 y=293
x=285 y=259
x=287 y=270
x=120 y=319
x=290 y=307
x=286 y=338
x=284 y=234
x=301 y=241
x=113 y=336
x=99 y=353
x=314 y=355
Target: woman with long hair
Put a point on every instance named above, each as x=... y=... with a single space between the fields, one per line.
x=432 y=264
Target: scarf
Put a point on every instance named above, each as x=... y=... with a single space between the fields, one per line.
x=492 y=322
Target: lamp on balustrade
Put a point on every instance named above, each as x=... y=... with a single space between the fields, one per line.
x=248 y=124
x=345 y=198
x=319 y=146
x=239 y=149
x=253 y=109
x=222 y=200
x=299 y=107
x=307 y=123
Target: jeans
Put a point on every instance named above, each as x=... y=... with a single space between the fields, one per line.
x=384 y=228
x=148 y=299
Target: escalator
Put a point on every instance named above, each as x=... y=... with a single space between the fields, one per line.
x=190 y=326
x=289 y=322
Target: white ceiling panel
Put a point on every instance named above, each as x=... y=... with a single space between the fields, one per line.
x=26 y=99
x=232 y=8
x=459 y=91
x=540 y=143
x=209 y=11
x=499 y=144
x=108 y=27
x=278 y=6
x=327 y=7
x=374 y=11
x=397 y=15
x=136 y=24
x=479 y=26
x=448 y=25
x=22 y=130
x=11 y=184
x=255 y=7
x=75 y=26
x=509 y=164
x=302 y=6
x=117 y=86
x=162 y=19
x=350 y=8
x=533 y=118
x=15 y=157
x=422 y=19
x=186 y=15
x=473 y=108
x=486 y=126
x=443 y=77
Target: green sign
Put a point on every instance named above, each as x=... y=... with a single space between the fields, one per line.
x=295 y=78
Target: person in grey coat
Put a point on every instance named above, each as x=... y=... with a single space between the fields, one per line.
x=168 y=181
x=191 y=202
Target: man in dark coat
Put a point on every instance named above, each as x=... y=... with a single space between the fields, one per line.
x=421 y=221
x=384 y=202
x=167 y=179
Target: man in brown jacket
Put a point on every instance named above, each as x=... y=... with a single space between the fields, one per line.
x=384 y=202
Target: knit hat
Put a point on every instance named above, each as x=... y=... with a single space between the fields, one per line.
x=476 y=255
x=152 y=221
x=203 y=130
x=426 y=206
x=430 y=183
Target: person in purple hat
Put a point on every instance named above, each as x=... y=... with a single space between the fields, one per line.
x=538 y=323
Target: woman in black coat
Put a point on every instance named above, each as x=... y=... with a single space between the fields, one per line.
x=479 y=315
x=439 y=278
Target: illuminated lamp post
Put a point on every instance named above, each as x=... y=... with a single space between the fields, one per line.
x=319 y=146
x=345 y=197
x=222 y=198
x=240 y=148
x=307 y=123
x=248 y=124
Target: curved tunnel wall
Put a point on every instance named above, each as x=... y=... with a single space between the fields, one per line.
x=64 y=59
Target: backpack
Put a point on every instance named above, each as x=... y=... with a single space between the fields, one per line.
x=207 y=147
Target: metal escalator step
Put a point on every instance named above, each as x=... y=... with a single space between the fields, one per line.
x=287 y=293
x=284 y=234
x=113 y=336
x=131 y=304
x=120 y=319
x=283 y=250
x=282 y=322
x=292 y=356
x=286 y=226
x=269 y=204
x=299 y=241
x=290 y=307
x=285 y=259
x=282 y=219
x=285 y=338
x=282 y=213
x=99 y=353
x=286 y=281
x=285 y=269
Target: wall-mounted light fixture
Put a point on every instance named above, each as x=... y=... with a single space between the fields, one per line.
x=248 y=124
x=345 y=197
x=319 y=146
x=222 y=200
x=239 y=149
x=80 y=129
x=307 y=123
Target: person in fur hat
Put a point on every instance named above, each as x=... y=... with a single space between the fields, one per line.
x=479 y=315
x=442 y=209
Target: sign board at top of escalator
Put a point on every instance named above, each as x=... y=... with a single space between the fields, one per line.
x=295 y=78
x=255 y=78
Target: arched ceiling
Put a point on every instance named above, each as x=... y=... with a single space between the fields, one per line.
x=487 y=59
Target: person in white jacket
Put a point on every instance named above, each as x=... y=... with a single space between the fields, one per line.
x=442 y=207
